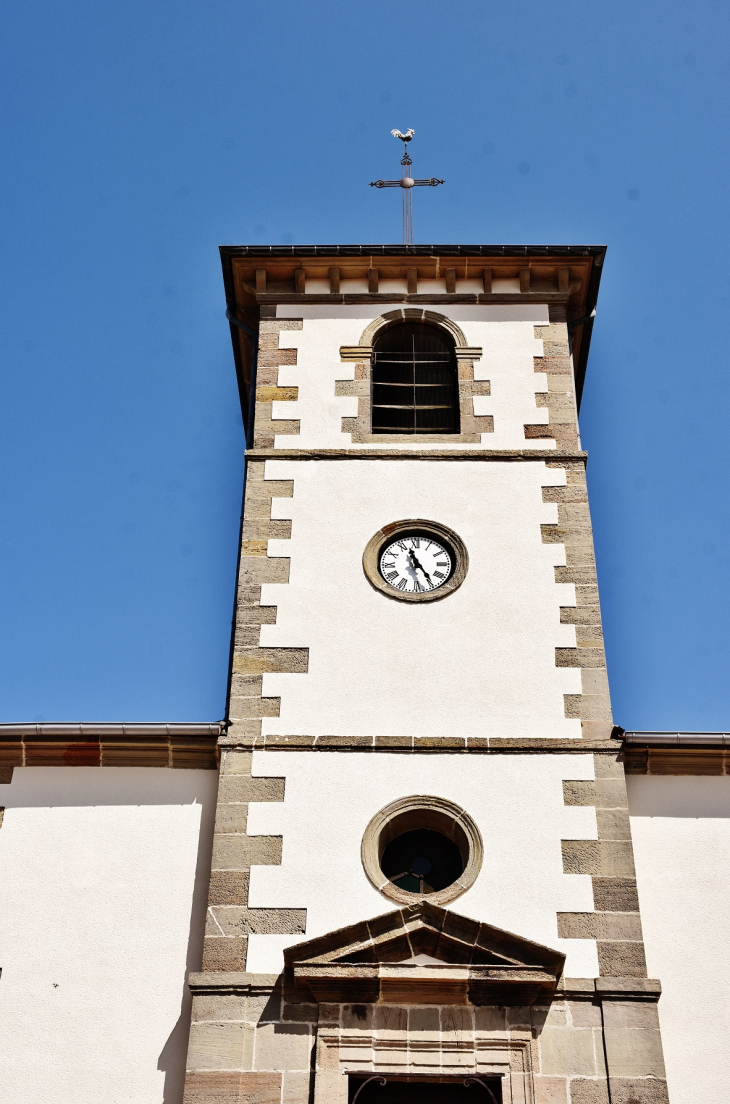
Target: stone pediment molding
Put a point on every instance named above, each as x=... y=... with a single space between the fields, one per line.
x=457 y=961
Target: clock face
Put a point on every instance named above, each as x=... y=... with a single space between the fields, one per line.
x=415 y=563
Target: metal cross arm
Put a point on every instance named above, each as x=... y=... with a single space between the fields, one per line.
x=406 y=182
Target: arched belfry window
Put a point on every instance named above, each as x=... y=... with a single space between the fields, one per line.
x=414 y=380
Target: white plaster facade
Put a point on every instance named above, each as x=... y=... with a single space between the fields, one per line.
x=506 y=335
x=104 y=875
x=681 y=833
x=481 y=662
x=515 y=800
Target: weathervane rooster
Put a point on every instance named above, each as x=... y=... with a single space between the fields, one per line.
x=406 y=182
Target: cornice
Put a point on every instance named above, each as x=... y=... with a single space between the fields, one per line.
x=108 y=745
x=463 y=251
x=536 y=297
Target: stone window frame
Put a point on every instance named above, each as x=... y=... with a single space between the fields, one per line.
x=374 y=547
x=471 y=425
x=422 y=811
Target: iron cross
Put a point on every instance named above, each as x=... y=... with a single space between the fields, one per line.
x=407 y=183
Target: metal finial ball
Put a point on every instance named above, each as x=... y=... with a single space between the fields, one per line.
x=407 y=182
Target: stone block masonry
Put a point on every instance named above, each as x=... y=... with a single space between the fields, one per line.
x=251 y=1040
x=254 y=1037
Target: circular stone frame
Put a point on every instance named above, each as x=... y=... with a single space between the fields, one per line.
x=422 y=811
x=439 y=532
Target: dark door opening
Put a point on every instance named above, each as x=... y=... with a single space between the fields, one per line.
x=463 y=1090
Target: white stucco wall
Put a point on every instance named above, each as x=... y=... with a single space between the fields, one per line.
x=104 y=876
x=681 y=830
x=506 y=335
x=516 y=801
x=480 y=662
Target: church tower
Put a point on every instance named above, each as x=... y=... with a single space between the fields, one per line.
x=422 y=883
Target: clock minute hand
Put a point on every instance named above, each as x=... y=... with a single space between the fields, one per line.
x=417 y=563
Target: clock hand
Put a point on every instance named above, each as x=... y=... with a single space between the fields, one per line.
x=417 y=563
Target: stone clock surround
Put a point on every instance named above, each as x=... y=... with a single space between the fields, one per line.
x=390 y=532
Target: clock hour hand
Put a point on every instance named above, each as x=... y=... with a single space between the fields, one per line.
x=417 y=563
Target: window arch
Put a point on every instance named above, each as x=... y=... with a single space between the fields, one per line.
x=415 y=386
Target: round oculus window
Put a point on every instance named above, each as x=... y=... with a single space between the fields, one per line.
x=422 y=847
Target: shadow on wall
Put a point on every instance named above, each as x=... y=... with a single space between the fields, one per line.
x=172 y=1060
x=688 y=796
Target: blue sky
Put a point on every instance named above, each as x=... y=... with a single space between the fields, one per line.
x=139 y=137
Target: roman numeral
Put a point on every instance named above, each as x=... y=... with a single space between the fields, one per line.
x=402 y=545
x=441 y=564
x=392 y=575
x=417 y=587
x=401 y=585
x=416 y=542
x=438 y=575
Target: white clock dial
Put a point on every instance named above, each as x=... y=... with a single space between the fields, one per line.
x=414 y=564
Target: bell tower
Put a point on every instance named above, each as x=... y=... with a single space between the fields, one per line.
x=422 y=877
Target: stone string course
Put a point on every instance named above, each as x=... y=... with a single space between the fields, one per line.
x=418 y=744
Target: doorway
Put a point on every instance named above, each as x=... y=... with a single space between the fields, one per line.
x=382 y=1089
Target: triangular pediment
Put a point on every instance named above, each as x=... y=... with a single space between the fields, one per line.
x=411 y=953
